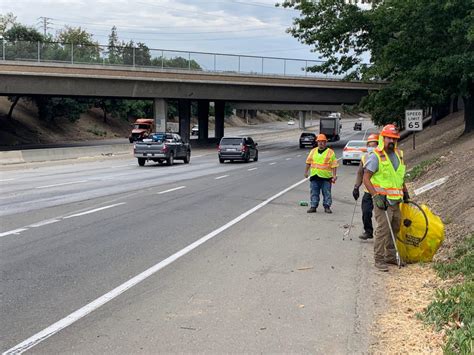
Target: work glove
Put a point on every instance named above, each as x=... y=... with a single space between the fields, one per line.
x=355 y=193
x=406 y=197
x=380 y=201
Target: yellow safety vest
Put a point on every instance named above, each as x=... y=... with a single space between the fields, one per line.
x=321 y=163
x=388 y=181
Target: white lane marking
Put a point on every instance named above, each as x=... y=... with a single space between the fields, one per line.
x=65 y=183
x=43 y=223
x=288 y=159
x=97 y=303
x=272 y=163
x=339 y=158
x=252 y=169
x=94 y=210
x=121 y=166
x=299 y=155
x=3 y=180
x=176 y=188
x=221 y=177
x=15 y=231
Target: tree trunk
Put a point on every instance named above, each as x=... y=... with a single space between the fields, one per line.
x=10 y=113
x=469 y=108
x=455 y=104
x=104 y=109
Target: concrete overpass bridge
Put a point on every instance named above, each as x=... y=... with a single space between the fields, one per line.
x=250 y=90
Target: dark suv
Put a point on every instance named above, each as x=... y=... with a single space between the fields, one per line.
x=237 y=148
x=307 y=139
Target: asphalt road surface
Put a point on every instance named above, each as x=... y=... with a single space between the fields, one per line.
x=109 y=257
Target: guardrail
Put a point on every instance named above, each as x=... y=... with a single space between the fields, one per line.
x=160 y=59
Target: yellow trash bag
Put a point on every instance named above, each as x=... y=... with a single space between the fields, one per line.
x=421 y=233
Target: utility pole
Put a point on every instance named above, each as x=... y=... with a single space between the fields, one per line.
x=45 y=22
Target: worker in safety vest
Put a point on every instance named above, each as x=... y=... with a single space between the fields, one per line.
x=367 y=203
x=321 y=166
x=384 y=174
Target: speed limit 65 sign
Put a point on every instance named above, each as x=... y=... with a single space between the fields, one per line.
x=414 y=120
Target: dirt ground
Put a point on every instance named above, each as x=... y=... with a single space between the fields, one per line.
x=410 y=289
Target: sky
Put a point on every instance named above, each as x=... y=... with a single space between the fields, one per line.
x=249 y=27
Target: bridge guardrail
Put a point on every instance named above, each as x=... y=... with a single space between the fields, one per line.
x=160 y=59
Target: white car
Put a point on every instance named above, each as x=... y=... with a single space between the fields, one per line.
x=353 y=151
x=291 y=122
x=195 y=130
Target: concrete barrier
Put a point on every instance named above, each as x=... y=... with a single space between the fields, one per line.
x=11 y=157
x=39 y=155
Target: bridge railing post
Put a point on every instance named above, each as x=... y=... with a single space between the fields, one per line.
x=214 y=62
x=262 y=65
x=72 y=53
x=162 y=59
x=133 y=57
x=284 y=67
x=239 y=65
x=189 y=61
x=3 y=48
x=39 y=52
x=306 y=68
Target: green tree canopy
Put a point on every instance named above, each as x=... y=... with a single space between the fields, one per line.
x=424 y=49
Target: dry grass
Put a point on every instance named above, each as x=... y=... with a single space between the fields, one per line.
x=397 y=329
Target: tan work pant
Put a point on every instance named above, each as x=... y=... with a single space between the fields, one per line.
x=384 y=250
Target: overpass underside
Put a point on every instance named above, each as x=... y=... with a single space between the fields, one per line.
x=259 y=91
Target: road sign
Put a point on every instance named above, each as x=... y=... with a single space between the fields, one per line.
x=414 y=120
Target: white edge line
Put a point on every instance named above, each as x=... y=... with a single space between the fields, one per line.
x=221 y=177
x=92 y=306
x=176 y=188
x=63 y=184
x=252 y=169
x=14 y=231
x=43 y=223
x=3 y=180
x=272 y=163
x=94 y=210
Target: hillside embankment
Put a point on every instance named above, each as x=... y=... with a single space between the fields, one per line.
x=426 y=313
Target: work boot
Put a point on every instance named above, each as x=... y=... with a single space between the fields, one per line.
x=311 y=210
x=327 y=210
x=365 y=236
x=381 y=266
x=394 y=262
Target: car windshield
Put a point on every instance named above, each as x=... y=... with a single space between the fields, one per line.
x=231 y=141
x=356 y=144
x=141 y=126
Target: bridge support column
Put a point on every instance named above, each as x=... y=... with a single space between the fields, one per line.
x=219 y=109
x=203 y=120
x=302 y=119
x=160 y=114
x=184 y=111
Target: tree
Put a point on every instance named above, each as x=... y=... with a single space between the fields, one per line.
x=20 y=32
x=6 y=21
x=114 y=47
x=423 y=49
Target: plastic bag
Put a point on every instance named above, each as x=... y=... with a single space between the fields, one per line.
x=421 y=233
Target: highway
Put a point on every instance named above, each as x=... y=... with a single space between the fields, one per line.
x=76 y=238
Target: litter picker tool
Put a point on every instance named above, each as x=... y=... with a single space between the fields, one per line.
x=399 y=261
x=348 y=233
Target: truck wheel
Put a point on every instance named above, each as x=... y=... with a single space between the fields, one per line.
x=337 y=138
x=130 y=140
x=256 y=157
x=170 y=160
x=221 y=161
x=344 y=162
x=141 y=161
x=187 y=158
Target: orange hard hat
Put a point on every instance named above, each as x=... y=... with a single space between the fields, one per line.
x=374 y=137
x=391 y=131
x=321 y=137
